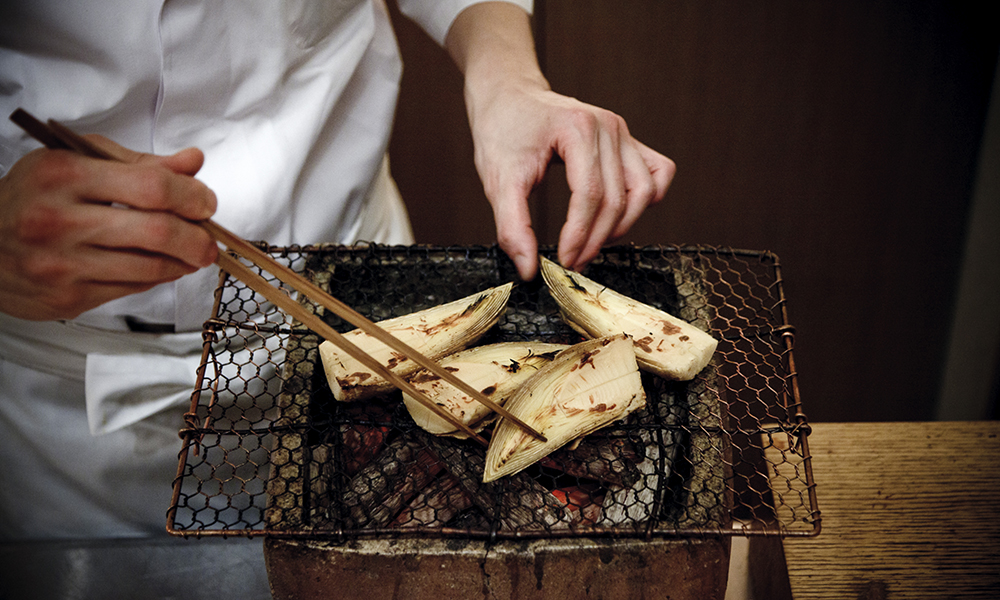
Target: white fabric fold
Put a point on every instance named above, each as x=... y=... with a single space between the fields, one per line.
x=123 y=389
x=128 y=376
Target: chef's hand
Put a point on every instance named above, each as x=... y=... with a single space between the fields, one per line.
x=519 y=123
x=612 y=176
x=64 y=248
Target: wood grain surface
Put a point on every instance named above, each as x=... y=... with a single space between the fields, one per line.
x=909 y=510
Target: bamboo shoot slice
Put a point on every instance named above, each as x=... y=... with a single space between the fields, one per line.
x=584 y=388
x=495 y=369
x=664 y=344
x=434 y=332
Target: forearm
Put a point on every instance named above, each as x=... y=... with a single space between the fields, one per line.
x=493 y=46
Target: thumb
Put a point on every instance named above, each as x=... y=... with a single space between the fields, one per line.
x=185 y=162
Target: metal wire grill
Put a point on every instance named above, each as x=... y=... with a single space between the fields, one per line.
x=267 y=450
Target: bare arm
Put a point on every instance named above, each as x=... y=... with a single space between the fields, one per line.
x=518 y=123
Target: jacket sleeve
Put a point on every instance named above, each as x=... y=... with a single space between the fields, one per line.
x=436 y=16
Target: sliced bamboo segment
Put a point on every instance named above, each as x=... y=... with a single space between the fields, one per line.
x=586 y=387
x=664 y=344
x=497 y=370
x=434 y=332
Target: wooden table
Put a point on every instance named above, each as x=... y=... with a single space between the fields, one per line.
x=909 y=510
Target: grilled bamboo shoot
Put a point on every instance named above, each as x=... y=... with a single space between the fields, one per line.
x=584 y=388
x=434 y=332
x=664 y=344
x=496 y=369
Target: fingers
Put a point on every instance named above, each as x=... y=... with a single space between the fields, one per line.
x=153 y=182
x=647 y=176
x=660 y=168
x=149 y=185
x=45 y=229
x=111 y=268
x=597 y=184
x=613 y=178
x=97 y=253
x=185 y=162
x=515 y=235
x=76 y=232
x=69 y=202
x=61 y=283
x=154 y=233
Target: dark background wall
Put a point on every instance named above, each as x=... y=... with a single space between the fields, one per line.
x=841 y=135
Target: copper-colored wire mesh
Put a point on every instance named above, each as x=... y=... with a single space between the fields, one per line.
x=267 y=450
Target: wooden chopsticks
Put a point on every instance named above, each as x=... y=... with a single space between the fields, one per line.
x=57 y=136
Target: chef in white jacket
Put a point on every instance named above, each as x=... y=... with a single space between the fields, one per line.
x=271 y=117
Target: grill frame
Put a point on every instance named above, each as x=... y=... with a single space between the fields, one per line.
x=233 y=454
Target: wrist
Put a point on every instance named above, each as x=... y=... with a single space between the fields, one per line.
x=493 y=47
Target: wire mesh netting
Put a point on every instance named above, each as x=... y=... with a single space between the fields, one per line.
x=267 y=449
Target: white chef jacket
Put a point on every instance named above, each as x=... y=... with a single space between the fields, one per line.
x=292 y=102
